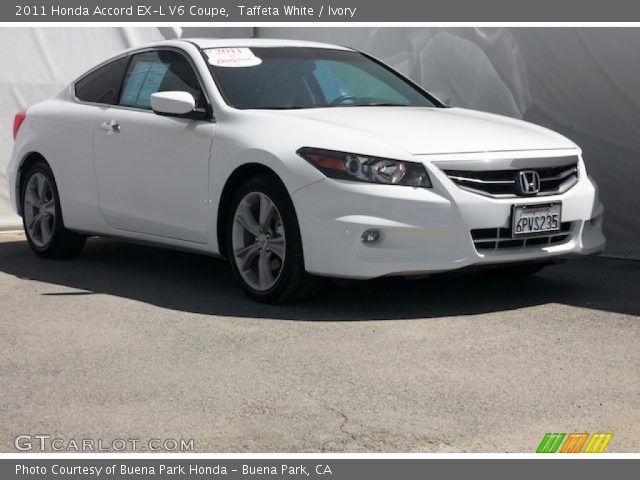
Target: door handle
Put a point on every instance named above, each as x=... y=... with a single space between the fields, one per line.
x=110 y=126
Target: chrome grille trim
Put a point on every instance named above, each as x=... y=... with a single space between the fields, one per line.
x=561 y=175
x=477 y=180
x=508 y=163
x=502 y=183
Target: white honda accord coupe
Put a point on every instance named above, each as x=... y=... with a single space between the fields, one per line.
x=295 y=161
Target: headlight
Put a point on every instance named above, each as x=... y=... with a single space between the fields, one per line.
x=364 y=168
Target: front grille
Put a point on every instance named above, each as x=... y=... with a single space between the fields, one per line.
x=502 y=183
x=500 y=238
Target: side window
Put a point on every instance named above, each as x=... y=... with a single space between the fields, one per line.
x=158 y=71
x=103 y=84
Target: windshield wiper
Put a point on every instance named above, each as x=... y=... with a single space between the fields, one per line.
x=285 y=107
x=369 y=104
x=375 y=104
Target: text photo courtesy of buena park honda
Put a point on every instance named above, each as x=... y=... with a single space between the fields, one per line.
x=304 y=239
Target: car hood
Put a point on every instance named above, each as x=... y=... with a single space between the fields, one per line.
x=428 y=131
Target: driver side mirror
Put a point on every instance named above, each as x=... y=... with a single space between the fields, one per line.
x=174 y=103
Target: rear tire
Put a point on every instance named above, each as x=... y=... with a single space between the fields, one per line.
x=264 y=246
x=42 y=216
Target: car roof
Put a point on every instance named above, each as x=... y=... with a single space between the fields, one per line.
x=204 y=43
x=257 y=42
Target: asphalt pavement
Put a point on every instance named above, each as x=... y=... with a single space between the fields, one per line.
x=134 y=342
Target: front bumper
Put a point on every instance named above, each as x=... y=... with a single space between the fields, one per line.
x=427 y=230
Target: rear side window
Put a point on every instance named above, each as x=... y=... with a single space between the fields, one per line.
x=159 y=71
x=103 y=85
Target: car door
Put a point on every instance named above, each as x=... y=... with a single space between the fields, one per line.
x=153 y=170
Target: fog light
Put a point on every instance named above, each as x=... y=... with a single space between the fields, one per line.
x=370 y=236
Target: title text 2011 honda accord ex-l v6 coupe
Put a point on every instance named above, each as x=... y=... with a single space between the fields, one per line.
x=295 y=161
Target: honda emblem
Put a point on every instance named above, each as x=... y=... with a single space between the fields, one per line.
x=528 y=182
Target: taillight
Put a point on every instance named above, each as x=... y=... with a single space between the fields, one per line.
x=17 y=122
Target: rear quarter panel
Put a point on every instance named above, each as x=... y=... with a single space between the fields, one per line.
x=62 y=132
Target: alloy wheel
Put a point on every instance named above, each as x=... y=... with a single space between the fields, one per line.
x=258 y=241
x=39 y=210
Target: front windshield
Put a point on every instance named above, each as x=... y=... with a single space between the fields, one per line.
x=296 y=77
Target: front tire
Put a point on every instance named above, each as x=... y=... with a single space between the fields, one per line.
x=42 y=216
x=264 y=245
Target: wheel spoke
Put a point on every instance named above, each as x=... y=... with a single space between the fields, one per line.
x=246 y=254
x=267 y=210
x=265 y=275
x=29 y=198
x=277 y=247
x=45 y=230
x=33 y=188
x=245 y=218
x=40 y=180
x=50 y=208
x=32 y=223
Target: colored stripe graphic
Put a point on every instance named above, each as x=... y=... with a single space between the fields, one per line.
x=550 y=443
x=574 y=442
x=598 y=442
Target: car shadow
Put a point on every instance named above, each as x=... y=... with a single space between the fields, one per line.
x=194 y=283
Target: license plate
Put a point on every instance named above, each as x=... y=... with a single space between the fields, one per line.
x=535 y=219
